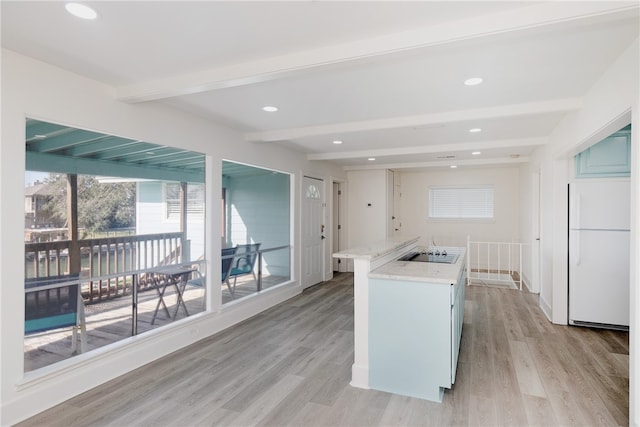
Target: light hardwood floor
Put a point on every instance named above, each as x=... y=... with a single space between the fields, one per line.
x=291 y=365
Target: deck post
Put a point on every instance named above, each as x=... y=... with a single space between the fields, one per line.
x=72 y=224
x=184 y=244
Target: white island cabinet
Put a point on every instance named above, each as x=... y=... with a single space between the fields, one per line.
x=416 y=311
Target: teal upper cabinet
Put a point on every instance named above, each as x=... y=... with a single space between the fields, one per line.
x=611 y=157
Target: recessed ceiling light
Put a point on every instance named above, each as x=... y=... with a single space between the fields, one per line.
x=371 y=159
x=38 y=136
x=337 y=142
x=81 y=11
x=270 y=109
x=473 y=81
x=475 y=130
x=453 y=166
x=476 y=153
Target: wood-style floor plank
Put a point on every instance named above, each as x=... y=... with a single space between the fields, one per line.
x=526 y=371
x=539 y=408
x=291 y=366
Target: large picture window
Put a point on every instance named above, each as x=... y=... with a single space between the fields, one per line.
x=471 y=202
x=256 y=205
x=102 y=262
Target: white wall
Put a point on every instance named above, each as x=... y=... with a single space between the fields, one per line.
x=367 y=206
x=415 y=206
x=34 y=89
x=634 y=257
x=610 y=104
x=528 y=221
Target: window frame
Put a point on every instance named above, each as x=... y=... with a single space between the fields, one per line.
x=195 y=211
x=461 y=217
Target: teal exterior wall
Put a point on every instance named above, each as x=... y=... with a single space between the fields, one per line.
x=258 y=210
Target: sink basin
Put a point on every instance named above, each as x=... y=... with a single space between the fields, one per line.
x=426 y=257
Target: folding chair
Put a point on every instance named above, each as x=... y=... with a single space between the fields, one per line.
x=53 y=303
x=227 y=263
x=243 y=263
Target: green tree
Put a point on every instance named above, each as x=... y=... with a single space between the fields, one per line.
x=101 y=206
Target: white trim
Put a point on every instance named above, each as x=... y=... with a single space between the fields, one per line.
x=546 y=308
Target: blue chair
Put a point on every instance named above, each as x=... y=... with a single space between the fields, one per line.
x=227 y=263
x=243 y=263
x=52 y=303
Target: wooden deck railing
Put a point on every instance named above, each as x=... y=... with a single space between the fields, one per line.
x=105 y=257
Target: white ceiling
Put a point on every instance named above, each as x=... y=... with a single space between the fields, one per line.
x=386 y=78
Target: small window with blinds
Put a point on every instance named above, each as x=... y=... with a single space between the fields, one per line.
x=461 y=203
x=195 y=200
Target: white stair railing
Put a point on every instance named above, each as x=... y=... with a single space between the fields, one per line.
x=499 y=263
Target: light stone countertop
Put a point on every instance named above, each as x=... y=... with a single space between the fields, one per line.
x=430 y=272
x=376 y=249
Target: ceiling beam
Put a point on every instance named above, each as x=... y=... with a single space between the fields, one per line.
x=109 y=143
x=427 y=149
x=513 y=110
x=64 y=140
x=70 y=165
x=129 y=150
x=441 y=164
x=36 y=129
x=518 y=19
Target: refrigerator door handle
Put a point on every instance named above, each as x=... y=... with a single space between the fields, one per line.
x=577 y=248
x=578 y=203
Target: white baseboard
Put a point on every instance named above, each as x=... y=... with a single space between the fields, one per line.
x=360 y=376
x=546 y=308
x=526 y=282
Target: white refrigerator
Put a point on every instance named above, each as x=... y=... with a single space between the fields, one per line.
x=599 y=223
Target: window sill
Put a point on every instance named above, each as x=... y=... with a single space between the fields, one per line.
x=463 y=220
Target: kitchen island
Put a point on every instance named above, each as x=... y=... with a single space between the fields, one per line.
x=416 y=313
x=398 y=304
x=365 y=259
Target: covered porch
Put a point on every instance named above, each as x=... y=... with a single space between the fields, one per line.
x=117 y=293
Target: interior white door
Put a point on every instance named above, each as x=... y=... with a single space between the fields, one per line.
x=313 y=231
x=536 y=248
x=336 y=226
x=397 y=205
x=390 y=217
